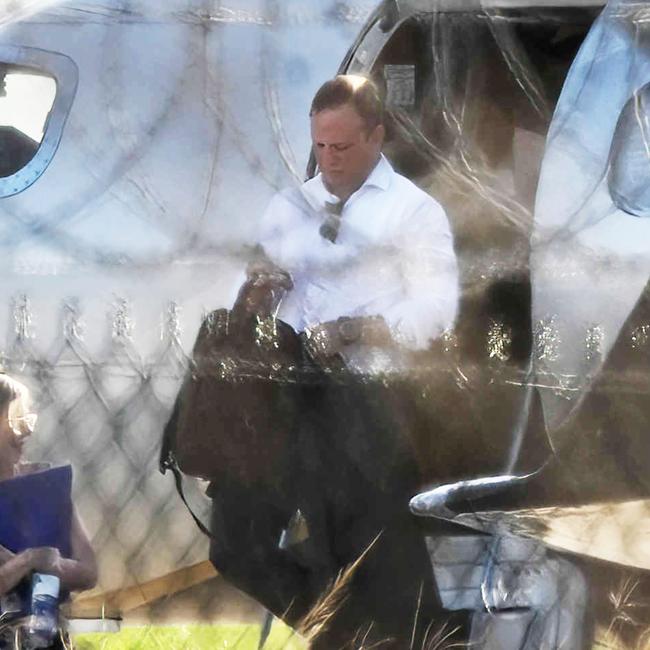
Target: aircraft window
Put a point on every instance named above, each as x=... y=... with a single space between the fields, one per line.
x=25 y=101
x=37 y=89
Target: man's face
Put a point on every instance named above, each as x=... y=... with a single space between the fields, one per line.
x=345 y=151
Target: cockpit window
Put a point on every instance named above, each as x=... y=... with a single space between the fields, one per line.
x=26 y=98
x=37 y=89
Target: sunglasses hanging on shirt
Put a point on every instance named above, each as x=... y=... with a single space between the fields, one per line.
x=330 y=227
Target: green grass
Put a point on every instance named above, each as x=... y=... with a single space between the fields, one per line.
x=191 y=637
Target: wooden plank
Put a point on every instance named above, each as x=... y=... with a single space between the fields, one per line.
x=114 y=604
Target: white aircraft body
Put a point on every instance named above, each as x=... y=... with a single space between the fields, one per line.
x=172 y=125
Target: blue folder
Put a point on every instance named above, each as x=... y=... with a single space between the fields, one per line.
x=36 y=510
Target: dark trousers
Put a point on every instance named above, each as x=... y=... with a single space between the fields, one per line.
x=353 y=473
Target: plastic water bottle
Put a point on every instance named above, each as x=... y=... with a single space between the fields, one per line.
x=44 y=620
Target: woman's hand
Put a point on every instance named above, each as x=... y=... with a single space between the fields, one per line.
x=45 y=559
x=16 y=566
x=76 y=573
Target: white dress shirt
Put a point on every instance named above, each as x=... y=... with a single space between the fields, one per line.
x=393 y=257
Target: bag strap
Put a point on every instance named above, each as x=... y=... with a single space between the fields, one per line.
x=171 y=464
x=168 y=461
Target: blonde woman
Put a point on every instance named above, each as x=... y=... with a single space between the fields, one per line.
x=77 y=572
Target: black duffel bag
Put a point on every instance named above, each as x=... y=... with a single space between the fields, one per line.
x=235 y=416
x=239 y=421
x=282 y=439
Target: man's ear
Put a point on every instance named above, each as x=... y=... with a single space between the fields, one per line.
x=377 y=135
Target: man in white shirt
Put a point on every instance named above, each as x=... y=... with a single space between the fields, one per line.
x=374 y=277
x=385 y=264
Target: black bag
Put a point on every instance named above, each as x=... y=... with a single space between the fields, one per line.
x=235 y=417
x=282 y=439
x=236 y=413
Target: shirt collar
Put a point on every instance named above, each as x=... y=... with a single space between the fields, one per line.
x=381 y=174
x=380 y=177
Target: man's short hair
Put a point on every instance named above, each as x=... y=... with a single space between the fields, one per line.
x=359 y=92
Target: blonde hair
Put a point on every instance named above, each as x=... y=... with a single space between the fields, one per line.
x=14 y=396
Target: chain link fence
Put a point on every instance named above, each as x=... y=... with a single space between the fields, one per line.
x=105 y=413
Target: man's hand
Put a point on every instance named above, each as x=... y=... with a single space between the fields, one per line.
x=330 y=338
x=366 y=330
x=265 y=285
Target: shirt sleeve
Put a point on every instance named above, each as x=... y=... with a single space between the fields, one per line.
x=430 y=292
x=282 y=231
x=271 y=226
